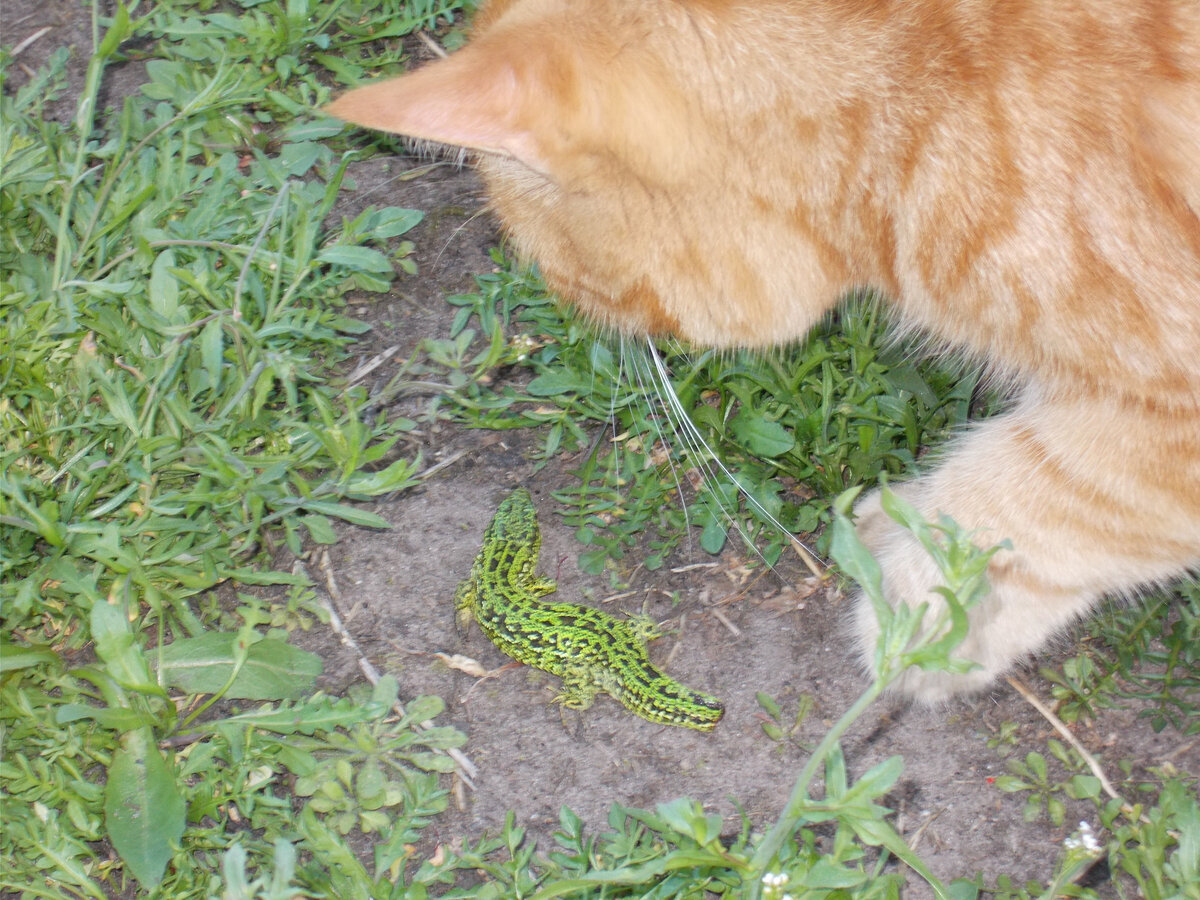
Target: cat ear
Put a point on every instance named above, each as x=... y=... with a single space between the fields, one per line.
x=469 y=99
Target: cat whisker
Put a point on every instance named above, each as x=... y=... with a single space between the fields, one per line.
x=687 y=431
x=643 y=394
x=701 y=455
x=450 y=238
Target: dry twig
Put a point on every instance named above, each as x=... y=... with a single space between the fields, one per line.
x=1061 y=728
x=333 y=596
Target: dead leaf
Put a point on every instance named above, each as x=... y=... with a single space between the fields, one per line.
x=461 y=663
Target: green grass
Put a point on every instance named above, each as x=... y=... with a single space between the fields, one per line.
x=172 y=421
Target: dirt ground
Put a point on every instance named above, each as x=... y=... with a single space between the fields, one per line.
x=732 y=635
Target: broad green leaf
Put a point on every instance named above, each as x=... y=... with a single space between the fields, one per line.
x=348 y=513
x=318 y=714
x=143 y=809
x=593 y=561
x=212 y=351
x=877 y=832
x=825 y=874
x=553 y=384
x=348 y=325
x=1011 y=784
x=363 y=259
x=1183 y=812
x=442 y=738
x=114 y=718
x=164 y=289
x=835 y=774
x=274 y=670
x=767 y=702
x=301 y=156
x=432 y=762
x=878 y=781
x=261 y=576
x=712 y=537
x=762 y=437
x=1081 y=786
x=774 y=732
x=346 y=73
x=393 y=221
x=370 y=785
x=387 y=691
x=686 y=817
x=117 y=646
x=398 y=476
x=313 y=129
x=233 y=867
x=852 y=555
x=118 y=403
x=117 y=32
x=319 y=529
x=131 y=206
x=16 y=656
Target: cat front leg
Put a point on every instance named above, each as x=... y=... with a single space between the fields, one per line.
x=1098 y=496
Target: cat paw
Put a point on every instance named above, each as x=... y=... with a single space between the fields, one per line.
x=909 y=577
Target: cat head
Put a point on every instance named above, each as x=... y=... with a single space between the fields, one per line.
x=623 y=149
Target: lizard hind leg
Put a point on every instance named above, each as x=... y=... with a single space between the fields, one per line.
x=579 y=688
x=644 y=628
x=464 y=604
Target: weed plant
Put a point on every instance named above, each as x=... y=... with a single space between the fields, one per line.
x=1149 y=654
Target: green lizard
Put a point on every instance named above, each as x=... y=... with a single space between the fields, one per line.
x=589 y=649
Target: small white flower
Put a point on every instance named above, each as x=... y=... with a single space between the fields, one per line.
x=1089 y=838
x=1085 y=841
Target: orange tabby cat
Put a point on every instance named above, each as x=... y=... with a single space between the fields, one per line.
x=1020 y=177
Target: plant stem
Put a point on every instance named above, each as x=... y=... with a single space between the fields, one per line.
x=799 y=799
